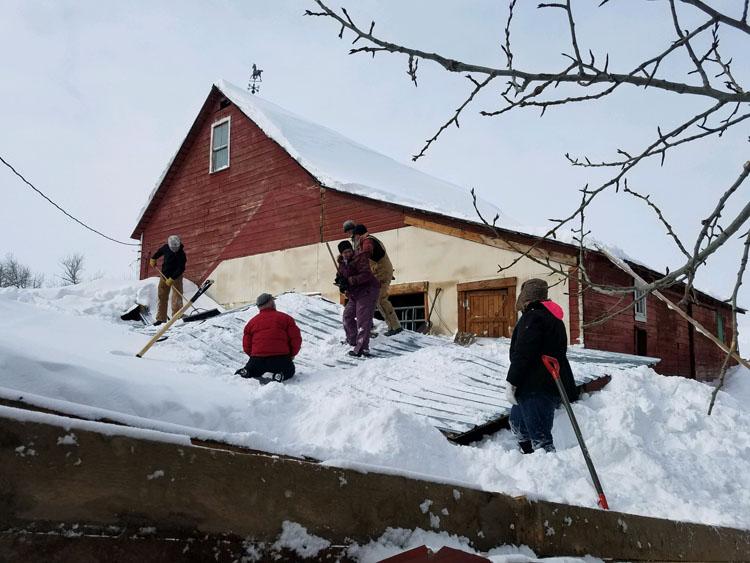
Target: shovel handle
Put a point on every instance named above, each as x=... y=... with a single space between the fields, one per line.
x=552 y=365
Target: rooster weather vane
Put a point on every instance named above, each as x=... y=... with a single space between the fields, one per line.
x=255 y=80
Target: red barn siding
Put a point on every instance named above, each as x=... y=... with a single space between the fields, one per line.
x=708 y=356
x=264 y=201
x=668 y=334
x=376 y=215
x=575 y=317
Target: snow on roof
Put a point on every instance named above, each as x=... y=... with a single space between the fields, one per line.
x=344 y=165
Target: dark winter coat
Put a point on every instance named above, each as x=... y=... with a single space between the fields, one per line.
x=357 y=273
x=174 y=262
x=271 y=333
x=540 y=331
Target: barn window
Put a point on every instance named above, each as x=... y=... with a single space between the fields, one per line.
x=719 y=325
x=409 y=300
x=220 y=145
x=410 y=309
x=640 y=305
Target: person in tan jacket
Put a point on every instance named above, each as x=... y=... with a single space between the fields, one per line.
x=382 y=268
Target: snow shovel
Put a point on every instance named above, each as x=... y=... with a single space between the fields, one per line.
x=427 y=326
x=181 y=296
x=553 y=366
x=201 y=290
x=197 y=315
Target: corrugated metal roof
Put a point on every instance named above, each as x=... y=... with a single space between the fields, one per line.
x=466 y=393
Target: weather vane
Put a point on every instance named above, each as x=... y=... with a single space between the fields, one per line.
x=255 y=80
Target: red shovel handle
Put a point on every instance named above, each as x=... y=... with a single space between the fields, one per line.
x=552 y=365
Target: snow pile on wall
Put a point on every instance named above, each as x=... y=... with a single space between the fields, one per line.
x=656 y=451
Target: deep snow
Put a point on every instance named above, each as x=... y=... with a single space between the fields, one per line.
x=656 y=450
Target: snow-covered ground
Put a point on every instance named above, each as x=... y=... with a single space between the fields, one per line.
x=656 y=450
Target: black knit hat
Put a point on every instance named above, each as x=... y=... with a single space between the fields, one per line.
x=345 y=245
x=360 y=229
x=263 y=299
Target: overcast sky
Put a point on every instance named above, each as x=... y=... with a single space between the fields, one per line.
x=96 y=96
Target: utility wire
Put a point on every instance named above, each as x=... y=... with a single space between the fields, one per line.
x=61 y=209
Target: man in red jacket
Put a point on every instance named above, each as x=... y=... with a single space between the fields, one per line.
x=272 y=340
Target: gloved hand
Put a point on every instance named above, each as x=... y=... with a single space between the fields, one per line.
x=169 y=281
x=152 y=262
x=510 y=393
x=341 y=282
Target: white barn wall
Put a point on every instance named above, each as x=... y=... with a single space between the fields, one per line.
x=417 y=255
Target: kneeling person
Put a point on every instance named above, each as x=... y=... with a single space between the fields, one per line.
x=272 y=340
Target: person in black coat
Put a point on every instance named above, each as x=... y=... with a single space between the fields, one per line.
x=530 y=388
x=172 y=268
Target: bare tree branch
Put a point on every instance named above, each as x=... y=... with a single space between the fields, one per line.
x=586 y=77
x=688 y=47
x=723 y=18
x=735 y=336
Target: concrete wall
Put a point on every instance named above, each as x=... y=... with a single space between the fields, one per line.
x=417 y=255
x=116 y=486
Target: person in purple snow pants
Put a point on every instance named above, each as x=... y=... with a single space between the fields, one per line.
x=361 y=287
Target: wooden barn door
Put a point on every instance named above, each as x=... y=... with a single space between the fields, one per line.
x=487 y=308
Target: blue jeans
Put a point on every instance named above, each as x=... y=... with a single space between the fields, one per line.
x=531 y=419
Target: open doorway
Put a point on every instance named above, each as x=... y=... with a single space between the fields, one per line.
x=641 y=342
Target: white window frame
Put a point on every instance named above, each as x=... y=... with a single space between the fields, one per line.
x=639 y=307
x=228 y=121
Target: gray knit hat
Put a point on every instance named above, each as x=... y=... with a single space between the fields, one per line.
x=532 y=290
x=174 y=242
x=263 y=299
x=349 y=225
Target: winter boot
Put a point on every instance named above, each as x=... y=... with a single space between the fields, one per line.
x=394 y=331
x=362 y=354
x=525 y=447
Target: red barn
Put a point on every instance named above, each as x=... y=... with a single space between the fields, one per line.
x=255 y=192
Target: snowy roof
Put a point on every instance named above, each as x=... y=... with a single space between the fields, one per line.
x=342 y=164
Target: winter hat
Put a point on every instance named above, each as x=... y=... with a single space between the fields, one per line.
x=345 y=245
x=531 y=290
x=349 y=225
x=263 y=299
x=360 y=229
x=174 y=243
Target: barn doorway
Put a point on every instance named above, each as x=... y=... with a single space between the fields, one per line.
x=641 y=342
x=487 y=308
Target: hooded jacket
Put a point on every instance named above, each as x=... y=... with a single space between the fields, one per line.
x=174 y=262
x=540 y=331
